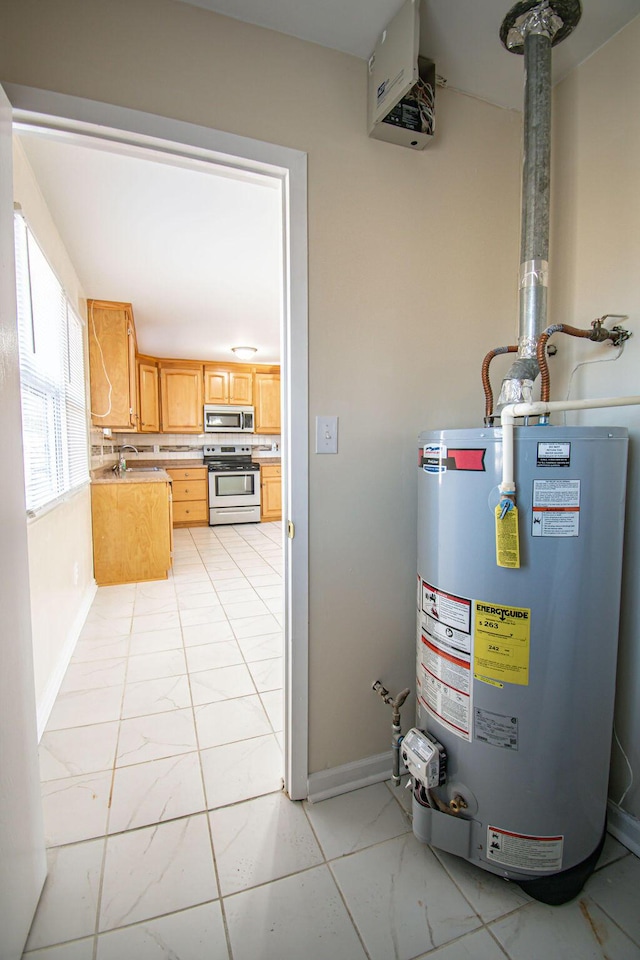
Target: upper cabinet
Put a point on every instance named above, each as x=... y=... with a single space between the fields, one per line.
x=181 y=397
x=228 y=383
x=149 y=396
x=266 y=393
x=112 y=365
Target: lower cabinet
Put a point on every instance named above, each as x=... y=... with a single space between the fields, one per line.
x=132 y=537
x=270 y=491
x=190 y=496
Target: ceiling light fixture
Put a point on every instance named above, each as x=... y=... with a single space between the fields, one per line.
x=244 y=353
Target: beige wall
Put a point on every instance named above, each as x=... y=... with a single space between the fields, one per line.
x=59 y=540
x=594 y=260
x=412 y=276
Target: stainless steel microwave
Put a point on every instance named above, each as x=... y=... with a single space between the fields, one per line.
x=228 y=419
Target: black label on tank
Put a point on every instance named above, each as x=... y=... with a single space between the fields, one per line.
x=554 y=454
x=496 y=729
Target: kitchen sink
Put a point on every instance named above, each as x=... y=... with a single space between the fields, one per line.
x=144 y=469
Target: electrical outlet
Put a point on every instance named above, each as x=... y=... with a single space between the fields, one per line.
x=326 y=434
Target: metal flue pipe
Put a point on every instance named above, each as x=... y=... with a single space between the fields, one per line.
x=532 y=28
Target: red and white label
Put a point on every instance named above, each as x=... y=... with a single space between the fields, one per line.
x=523 y=852
x=556 y=508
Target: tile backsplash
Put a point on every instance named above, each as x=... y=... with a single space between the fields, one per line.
x=170 y=446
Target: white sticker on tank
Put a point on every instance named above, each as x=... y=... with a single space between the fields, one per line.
x=556 y=508
x=522 y=852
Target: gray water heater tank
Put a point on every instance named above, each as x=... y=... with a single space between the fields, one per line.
x=516 y=667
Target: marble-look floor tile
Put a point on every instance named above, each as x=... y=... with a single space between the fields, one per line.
x=239 y=771
x=267 y=674
x=77 y=950
x=244 y=595
x=478 y=945
x=105 y=649
x=155 y=605
x=93 y=674
x=155 y=641
x=213 y=630
x=155 y=590
x=193 y=934
x=78 y=750
x=156 y=791
x=577 y=929
x=230 y=720
x=261 y=840
x=266 y=580
x=612 y=851
x=230 y=583
x=157 y=870
x=69 y=901
x=155 y=696
x=211 y=656
x=306 y=918
x=356 y=820
x=262 y=648
x=155 y=621
x=490 y=895
x=106 y=629
x=196 y=601
x=273 y=705
x=120 y=591
x=615 y=889
x=195 y=589
x=111 y=609
x=253 y=608
x=76 y=808
x=255 y=626
x=225 y=683
x=402 y=793
x=152 y=666
x=203 y=615
x=157 y=736
x=401 y=899
x=269 y=593
x=85 y=707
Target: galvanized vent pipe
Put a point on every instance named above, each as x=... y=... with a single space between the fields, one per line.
x=531 y=28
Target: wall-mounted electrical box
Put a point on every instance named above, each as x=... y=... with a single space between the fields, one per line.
x=402 y=85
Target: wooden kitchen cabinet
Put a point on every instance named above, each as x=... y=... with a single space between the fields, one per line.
x=266 y=391
x=112 y=365
x=148 y=397
x=131 y=531
x=181 y=397
x=270 y=491
x=228 y=383
x=190 y=496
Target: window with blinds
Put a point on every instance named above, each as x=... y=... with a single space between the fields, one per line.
x=52 y=378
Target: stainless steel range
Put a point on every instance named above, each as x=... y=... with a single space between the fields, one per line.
x=234 y=484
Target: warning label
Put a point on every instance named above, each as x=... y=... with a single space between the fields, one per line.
x=444 y=659
x=554 y=455
x=556 y=508
x=501 y=647
x=522 y=852
x=496 y=729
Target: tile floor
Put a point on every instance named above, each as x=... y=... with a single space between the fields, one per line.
x=169 y=836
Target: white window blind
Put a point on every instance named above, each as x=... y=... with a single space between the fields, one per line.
x=52 y=378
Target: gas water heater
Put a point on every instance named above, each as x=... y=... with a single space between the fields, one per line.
x=520 y=533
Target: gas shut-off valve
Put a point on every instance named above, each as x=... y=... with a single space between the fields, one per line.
x=425 y=758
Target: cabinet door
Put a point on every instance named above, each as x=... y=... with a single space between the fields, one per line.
x=149 y=421
x=241 y=388
x=270 y=494
x=216 y=385
x=112 y=365
x=182 y=399
x=267 y=402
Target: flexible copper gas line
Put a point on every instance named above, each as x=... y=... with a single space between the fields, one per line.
x=597 y=332
x=486 y=383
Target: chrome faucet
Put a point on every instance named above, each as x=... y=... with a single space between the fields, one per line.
x=122 y=463
x=128 y=446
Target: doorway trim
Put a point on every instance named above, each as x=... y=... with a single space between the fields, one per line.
x=66 y=114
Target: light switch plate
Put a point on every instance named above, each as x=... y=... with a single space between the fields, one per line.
x=326 y=434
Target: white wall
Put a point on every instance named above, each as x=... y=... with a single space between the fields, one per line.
x=594 y=262
x=413 y=262
x=59 y=540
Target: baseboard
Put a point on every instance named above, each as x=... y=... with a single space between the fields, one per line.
x=350 y=776
x=45 y=706
x=624 y=827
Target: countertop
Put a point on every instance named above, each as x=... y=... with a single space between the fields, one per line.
x=137 y=475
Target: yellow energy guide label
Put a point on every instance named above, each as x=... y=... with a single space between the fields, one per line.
x=501 y=644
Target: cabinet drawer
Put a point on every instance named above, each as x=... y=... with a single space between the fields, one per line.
x=190 y=511
x=188 y=473
x=189 y=490
x=271 y=470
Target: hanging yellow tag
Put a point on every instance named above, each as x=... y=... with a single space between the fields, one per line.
x=507 y=538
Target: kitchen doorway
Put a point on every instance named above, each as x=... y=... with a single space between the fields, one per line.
x=69 y=119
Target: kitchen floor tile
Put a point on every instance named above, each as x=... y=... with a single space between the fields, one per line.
x=356 y=820
x=255 y=608
x=78 y=750
x=157 y=870
x=612 y=851
x=219 y=577
x=156 y=791
x=155 y=621
x=86 y=707
x=230 y=721
x=155 y=641
x=615 y=889
x=243 y=595
x=106 y=629
x=275 y=606
x=401 y=794
x=76 y=808
x=225 y=683
x=306 y=918
x=272 y=701
x=200 y=615
x=193 y=934
x=267 y=674
x=89 y=675
x=100 y=649
x=155 y=590
x=215 y=628
x=155 y=737
x=195 y=589
x=479 y=945
x=239 y=771
x=155 y=696
x=121 y=591
x=210 y=656
x=262 y=648
x=401 y=899
x=491 y=896
x=110 y=610
x=261 y=840
x=269 y=593
x=230 y=583
x=152 y=666
x=78 y=950
x=69 y=902
x=196 y=601
x=155 y=605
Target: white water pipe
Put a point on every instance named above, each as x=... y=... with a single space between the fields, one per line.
x=539 y=409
